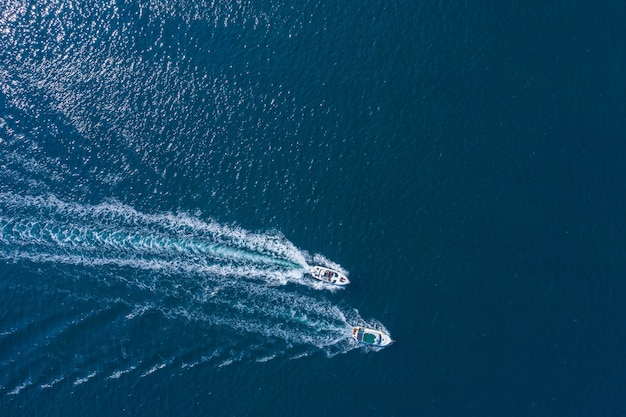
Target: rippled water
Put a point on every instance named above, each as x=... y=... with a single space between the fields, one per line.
x=170 y=169
x=117 y=275
x=150 y=102
x=117 y=117
x=225 y=294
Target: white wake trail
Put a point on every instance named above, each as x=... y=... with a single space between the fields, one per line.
x=47 y=229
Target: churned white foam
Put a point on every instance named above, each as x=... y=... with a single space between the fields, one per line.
x=322 y=260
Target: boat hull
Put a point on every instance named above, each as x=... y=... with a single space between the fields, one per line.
x=328 y=275
x=371 y=337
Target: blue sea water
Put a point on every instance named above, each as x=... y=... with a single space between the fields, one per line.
x=169 y=169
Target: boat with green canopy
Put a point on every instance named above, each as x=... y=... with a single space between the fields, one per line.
x=371 y=337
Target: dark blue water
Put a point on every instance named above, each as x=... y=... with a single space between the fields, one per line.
x=168 y=171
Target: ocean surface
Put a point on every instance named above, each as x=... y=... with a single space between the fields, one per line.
x=170 y=169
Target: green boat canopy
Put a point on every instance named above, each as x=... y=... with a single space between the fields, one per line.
x=369 y=338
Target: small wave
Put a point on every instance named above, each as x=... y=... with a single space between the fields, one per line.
x=118 y=374
x=20 y=387
x=52 y=383
x=155 y=368
x=80 y=381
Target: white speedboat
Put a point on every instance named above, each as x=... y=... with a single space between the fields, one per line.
x=329 y=275
x=371 y=337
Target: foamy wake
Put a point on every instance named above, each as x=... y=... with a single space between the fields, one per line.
x=218 y=290
x=47 y=229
